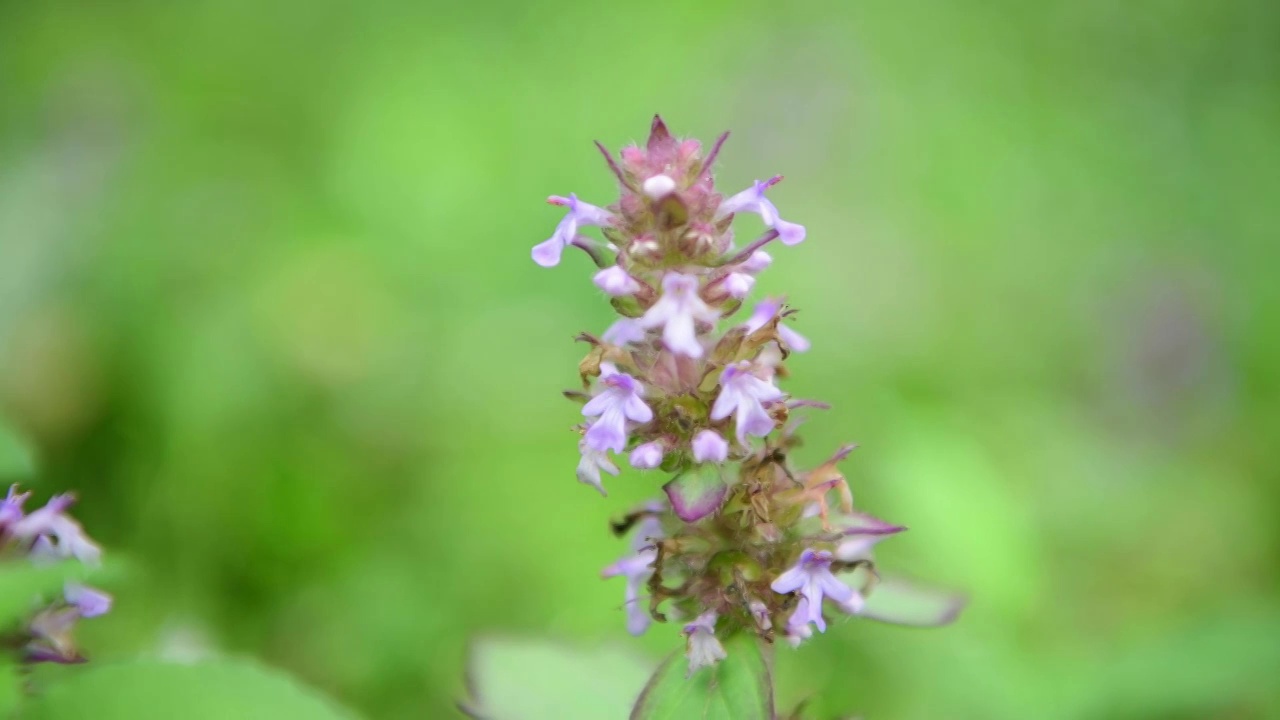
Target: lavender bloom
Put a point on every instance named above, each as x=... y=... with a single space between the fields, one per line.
x=702 y=647
x=620 y=401
x=50 y=521
x=798 y=629
x=592 y=462
x=708 y=446
x=756 y=541
x=11 y=506
x=547 y=253
x=753 y=200
x=760 y=612
x=765 y=311
x=616 y=282
x=677 y=312
x=636 y=569
x=811 y=577
x=647 y=456
x=87 y=601
x=743 y=395
x=624 y=332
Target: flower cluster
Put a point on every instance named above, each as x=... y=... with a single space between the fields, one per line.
x=46 y=536
x=742 y=541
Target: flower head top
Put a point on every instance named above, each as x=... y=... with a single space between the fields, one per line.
x=745 y=541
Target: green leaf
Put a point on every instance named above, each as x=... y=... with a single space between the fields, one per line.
x=697 y=493
x=531 y=680
x=10 y=687
x=24 y=586
x=17 y=461
x=740 y=687
x=154 y=690
x=905 y=602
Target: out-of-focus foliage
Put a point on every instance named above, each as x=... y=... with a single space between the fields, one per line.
x=739 y=687
x=266 y=304
x=545 y=680
x=150 y=690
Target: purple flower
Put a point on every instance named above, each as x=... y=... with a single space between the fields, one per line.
x=753 y=200
x=760 y=612
x=590 y=465
x=51 y=521
x=616 y=282
x=620 y=401
x=547 y=253
x=701 y=646
x=811 y=577
x=88 y=602
x=677 y=312
x=624 y=332
x=765 y=311
x=708 y=446
x=11 y=506
x=738 y=285
x=647 y=456
x=743 y=395
x=636 y=569
x=798 y=629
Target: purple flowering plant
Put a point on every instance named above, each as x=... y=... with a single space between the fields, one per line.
x=740 y=541
x=35 y=544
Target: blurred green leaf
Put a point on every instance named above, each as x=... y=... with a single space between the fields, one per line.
x=740 y=687
x=527 y=680
x=17 y=461
x=903 y=602
x=10 y=687
x=150 y=689
x=24 y=586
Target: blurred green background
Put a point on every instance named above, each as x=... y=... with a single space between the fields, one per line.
x=266 y=303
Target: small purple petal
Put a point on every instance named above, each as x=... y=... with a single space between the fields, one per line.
x=624 y=332
x=738 y=285
x=792 y=339
x=547 y=253
x=708 y=446
x=88 y=601
x=758 y=261
x=647 y=456
x=616 y=282
x=608 y=433
x=790 y=581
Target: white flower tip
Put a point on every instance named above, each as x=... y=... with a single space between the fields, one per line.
x=659 y=186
